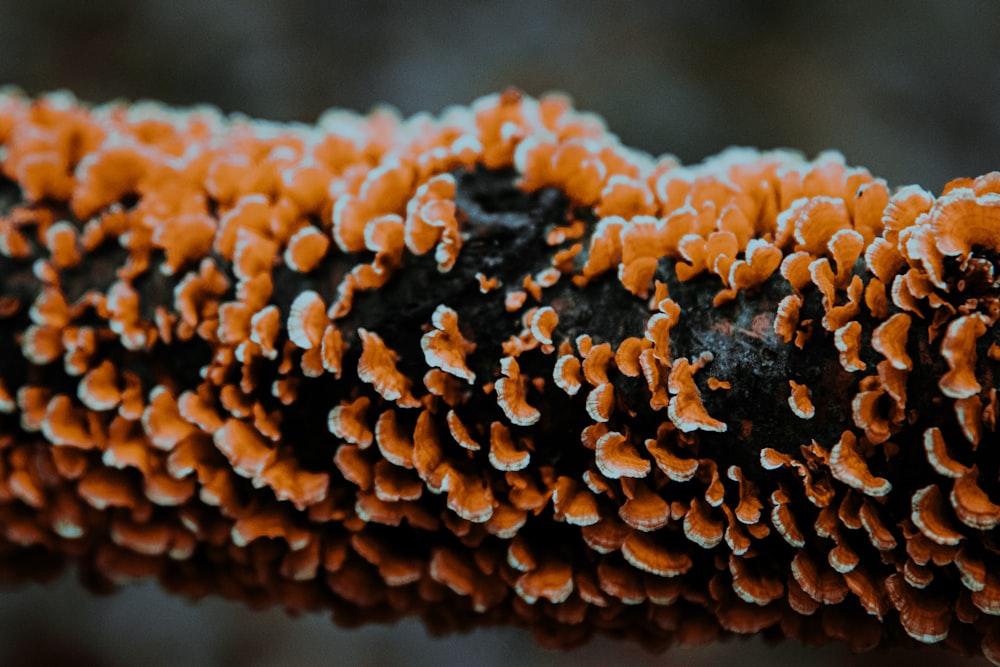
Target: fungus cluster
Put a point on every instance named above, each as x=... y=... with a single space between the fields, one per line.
x=495 y=367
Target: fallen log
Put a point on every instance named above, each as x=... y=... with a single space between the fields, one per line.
x=496 y=368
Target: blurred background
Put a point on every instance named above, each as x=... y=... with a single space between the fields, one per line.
x=909 y=89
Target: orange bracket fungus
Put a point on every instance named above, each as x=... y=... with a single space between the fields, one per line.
x=497 y=368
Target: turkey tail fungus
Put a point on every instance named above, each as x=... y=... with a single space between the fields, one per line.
x=497 y=368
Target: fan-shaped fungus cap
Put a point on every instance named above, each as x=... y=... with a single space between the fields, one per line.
x=543 y=323
x=445 y=348
x=938 y=456
x=162 y=421
x=627 y=356
x=428 y=454
x=566 y=374
x=686 y=410
x=972 y=505
x=393 y=484
x=290 y=482
x=644 y=510
x=460 y=433
x=469 y=496
x=354 y=467
x=616 y=457
x=959 y=350
x=845 y=246
x=106 y=487
x=637 y=274
x=62 y=241
x=924 y=618
x=701 y=527
x=645 y=552
x=795 y=268
x=185 y=239
x=306 y=249
x=347 y=421
x=676 y=468
x=868 y=415
x=930 y=515
x=848 y=341
x=505 y=454
x=596 y=360
x=307 y=320
x=98 y=389
x=783 y=519
x=890 y=339
x=248 y=454
x=574 y=503
x=748 y=509
x=815 y=223
x=393 y=443
x=553 y=581
x=601 y=402
x=377 y=367
x=800 y=400
x=762 y=259
x=786 y=319
x=848 y=466
x=753 y=585
x=961 y=220
x=332 y=350
x=823 y=585
x=448 y=387
x=511 y=394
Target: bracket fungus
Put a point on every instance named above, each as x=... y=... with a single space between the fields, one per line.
x=275 y=362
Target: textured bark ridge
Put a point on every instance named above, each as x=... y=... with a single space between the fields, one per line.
x=496 y=368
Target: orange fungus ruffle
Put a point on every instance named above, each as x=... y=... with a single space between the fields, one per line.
x=752 y=394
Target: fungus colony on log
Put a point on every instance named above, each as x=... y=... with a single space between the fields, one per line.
x=496 y=368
